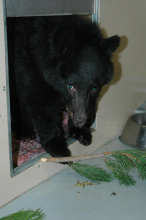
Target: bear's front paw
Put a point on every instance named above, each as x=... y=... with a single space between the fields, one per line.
x=83 y=135
x=27 y=135
x=85 y=139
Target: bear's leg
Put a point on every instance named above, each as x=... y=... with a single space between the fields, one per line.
x=27 y=130
x=49 y=128
x=22 y=125
x=83 y=135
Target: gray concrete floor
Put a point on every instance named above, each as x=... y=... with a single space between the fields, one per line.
x=61 y=200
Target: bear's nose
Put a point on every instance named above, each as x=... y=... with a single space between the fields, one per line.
x=79 y=122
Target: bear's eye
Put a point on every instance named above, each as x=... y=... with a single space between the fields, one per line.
x=70 y=87
x=94 y=89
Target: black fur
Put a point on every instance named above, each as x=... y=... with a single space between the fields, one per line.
x=57 y=63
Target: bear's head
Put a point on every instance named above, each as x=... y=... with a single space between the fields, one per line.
x=84 y=76
x=82 y=58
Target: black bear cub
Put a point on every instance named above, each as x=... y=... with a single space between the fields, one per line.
x=56 y=64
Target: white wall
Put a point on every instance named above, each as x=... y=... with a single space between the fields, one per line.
x=126 y=18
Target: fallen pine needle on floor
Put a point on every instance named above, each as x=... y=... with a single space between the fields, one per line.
x=85 y=184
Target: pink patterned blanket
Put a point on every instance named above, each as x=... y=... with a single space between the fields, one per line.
x=29 y=150
x=24 y=151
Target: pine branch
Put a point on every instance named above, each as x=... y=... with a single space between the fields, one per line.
x=95 y=174
x=120 y=163
x=126 y=161
x=26 y=215
x=119 y=173
x=72 y=159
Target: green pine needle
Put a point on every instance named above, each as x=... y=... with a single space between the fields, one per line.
x=95 y=174
x=119 y=173
x=126 y=161
x=26 y=215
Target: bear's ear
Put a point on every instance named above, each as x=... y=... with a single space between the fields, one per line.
x=111 y=44
x=65 y=40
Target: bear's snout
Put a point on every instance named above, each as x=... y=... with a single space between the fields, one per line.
x=79 y=121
